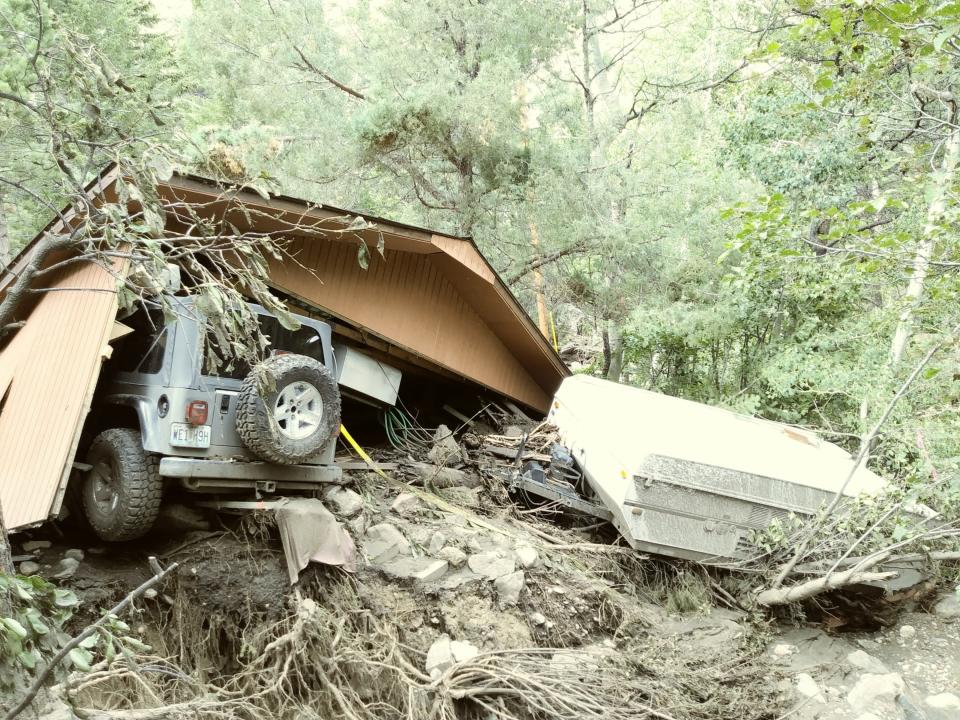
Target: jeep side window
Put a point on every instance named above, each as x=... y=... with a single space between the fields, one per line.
x=142 y=350
x=305 y=341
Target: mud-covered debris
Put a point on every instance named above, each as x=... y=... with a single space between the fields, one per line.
x=538 y=618
x=344 y=502
x=177 y=518
x=358 y=525
x=384 y=542
x=28 y=567
x=446 y=450
x=491 y=565
x=444 y=477
x=508 y=588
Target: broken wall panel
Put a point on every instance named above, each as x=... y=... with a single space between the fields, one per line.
x=53 y=363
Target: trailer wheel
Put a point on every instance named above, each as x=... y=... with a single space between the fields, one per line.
x=122 y=491
x=291 y=422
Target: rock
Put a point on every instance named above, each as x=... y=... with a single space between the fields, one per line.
x=74 y=553
x=807 y=687
x=405 y=504
x=453 y=555
x=419 y=569
x=866 y=662
x=65 y=568
x=33 y=545
x=462 y=496
x=908 y=632
x=446 y=449
x=527 y=557
x=783 y=649
x=508 y=588
x=28 y=567
x=491 y=564
x=383 y=542
x=445 y=477
x=943 y=701
x=437 y=541
x=96 y=550
x=444 y=653
x=874 y=691
x=538 y=618
x=150 y=593
x=513 y=431
x=947 y=607
x=344 y=502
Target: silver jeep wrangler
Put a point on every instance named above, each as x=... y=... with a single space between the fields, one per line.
x=161 y=417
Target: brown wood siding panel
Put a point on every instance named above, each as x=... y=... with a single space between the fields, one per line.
x=55 y=360
x=411 y=302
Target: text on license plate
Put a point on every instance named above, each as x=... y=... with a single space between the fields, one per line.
x=191 y=436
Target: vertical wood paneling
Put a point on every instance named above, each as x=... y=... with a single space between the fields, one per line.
x=410 y=301
x=54 y=361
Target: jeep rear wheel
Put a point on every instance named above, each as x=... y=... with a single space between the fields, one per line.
x=292 y=422
x=122 y=490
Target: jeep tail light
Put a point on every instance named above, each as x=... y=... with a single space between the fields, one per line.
x=197 y=412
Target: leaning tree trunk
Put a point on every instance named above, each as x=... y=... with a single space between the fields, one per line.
x=921 y=259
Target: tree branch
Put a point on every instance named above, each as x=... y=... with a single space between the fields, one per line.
x=336 y=83
x=159 y=574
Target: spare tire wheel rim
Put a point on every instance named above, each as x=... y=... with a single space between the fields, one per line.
x=105 y=493
x=298 y=410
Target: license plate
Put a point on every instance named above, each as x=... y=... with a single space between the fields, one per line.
x=190 y=436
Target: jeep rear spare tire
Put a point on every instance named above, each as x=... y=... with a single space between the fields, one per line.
x=122 y=490
x=292 y=420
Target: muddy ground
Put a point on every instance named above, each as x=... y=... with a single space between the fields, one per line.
x=476 y=573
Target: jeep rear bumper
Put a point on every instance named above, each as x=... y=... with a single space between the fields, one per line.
x=213 y=475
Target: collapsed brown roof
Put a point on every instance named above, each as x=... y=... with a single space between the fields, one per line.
x=432 y=297
x=431 y=294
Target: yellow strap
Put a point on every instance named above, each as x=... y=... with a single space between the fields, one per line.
x=362 y=453
x=553 y=331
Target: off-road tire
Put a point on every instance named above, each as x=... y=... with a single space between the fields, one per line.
x=255 y=419
x=139 y=487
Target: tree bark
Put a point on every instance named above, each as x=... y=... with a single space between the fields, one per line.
x=614 y=347
x=4 y=237
x=921 y=260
